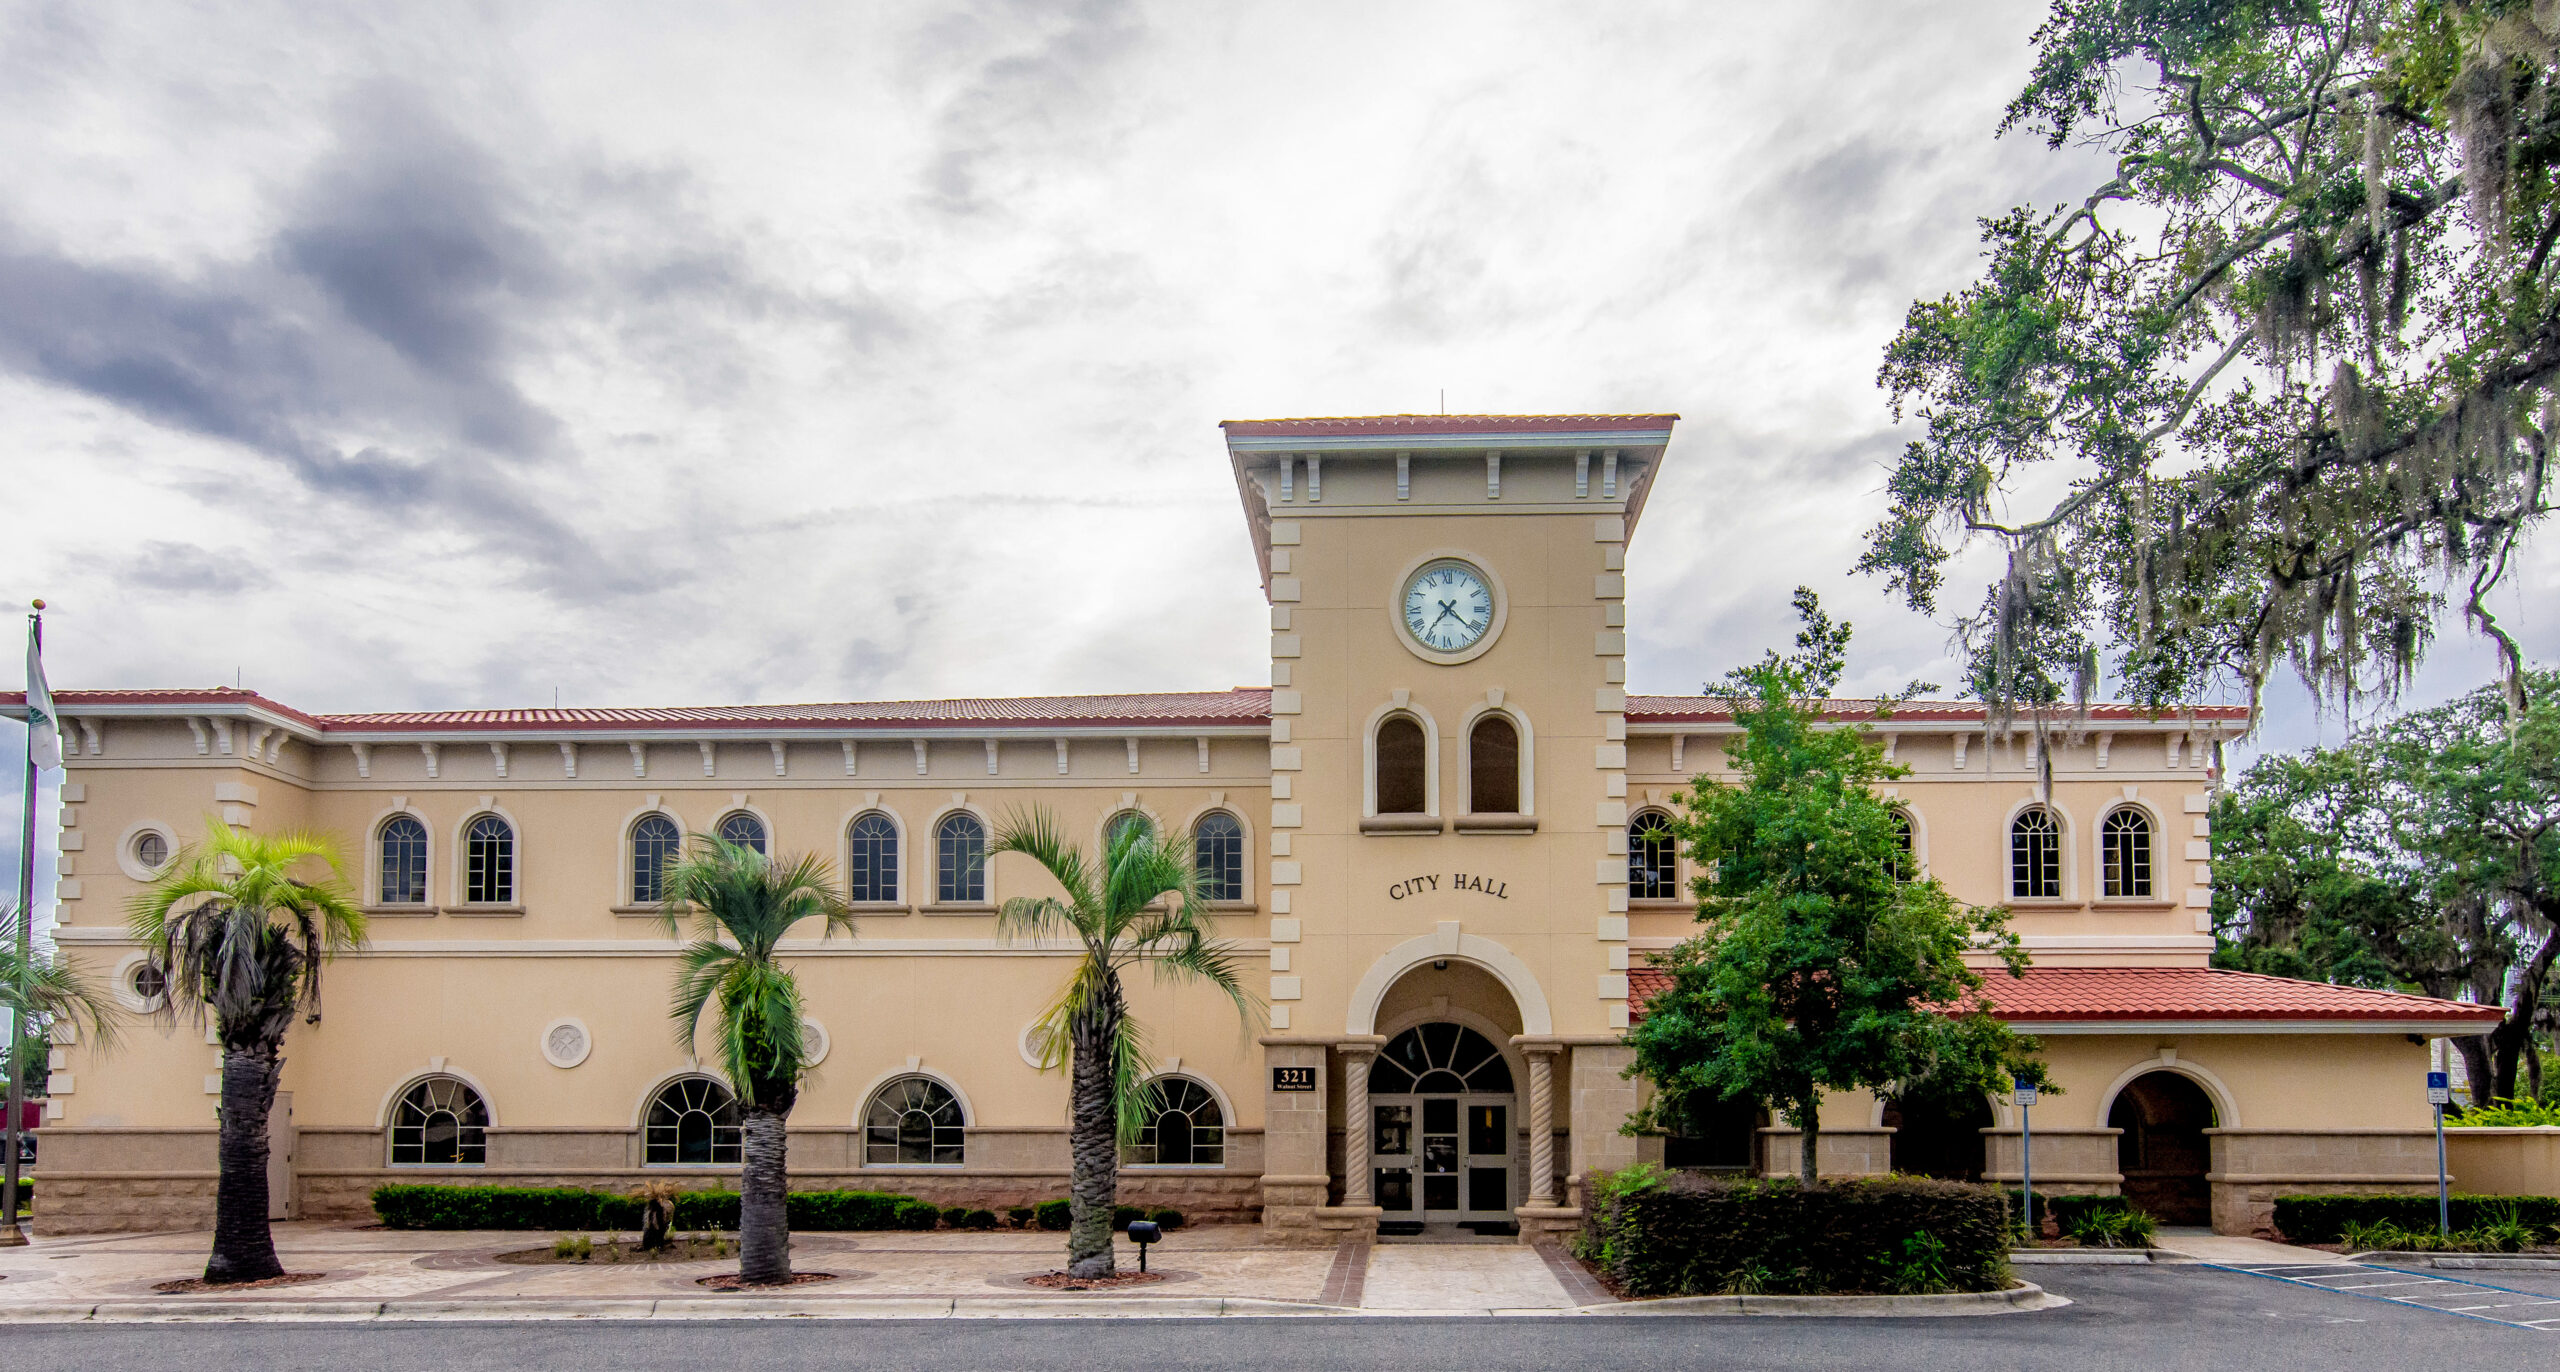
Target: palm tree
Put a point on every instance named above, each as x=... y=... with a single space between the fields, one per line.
x=1142 y=903
x=235 y=934
x=44 y=994
x=740 y=904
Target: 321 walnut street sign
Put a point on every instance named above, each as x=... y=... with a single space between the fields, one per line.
x=1432 y=882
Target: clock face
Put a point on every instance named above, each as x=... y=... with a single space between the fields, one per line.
x=1447 y=606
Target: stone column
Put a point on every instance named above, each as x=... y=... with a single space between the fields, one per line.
x=1293 y=1141
x=1357 y=1174
x=1542 y=1122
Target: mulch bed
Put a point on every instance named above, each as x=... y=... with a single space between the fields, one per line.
x=612 y=1254
x=1060 y=1281
x=193 y=1286
x=731 y=1281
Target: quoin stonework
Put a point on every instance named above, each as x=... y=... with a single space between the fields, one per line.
x=1433 y=838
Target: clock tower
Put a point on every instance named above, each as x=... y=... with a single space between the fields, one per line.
x=1447 y=838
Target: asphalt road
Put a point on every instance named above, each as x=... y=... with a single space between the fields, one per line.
x=2128 y=1318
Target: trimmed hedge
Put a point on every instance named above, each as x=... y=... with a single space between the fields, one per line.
x=1690 y=1234
x=2323 y=1219
x=1053 y=1215
x=562 y=1207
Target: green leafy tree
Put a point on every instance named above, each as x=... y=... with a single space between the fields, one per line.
x=2280 y=379
x=2424 y=852
x=1141 y=903
x=1821 y=966
x=738 y=906
x=240 y=925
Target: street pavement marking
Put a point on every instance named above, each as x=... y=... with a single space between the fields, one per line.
x=2340 y=1277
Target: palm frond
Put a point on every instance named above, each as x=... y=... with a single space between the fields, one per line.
x=739 y=905
x=241 y=931
x=49 y=990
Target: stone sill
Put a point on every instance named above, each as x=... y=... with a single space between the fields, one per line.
x=2129 y=904
x=1402 y=824
x=403 y=911
x=1497 y=824
x=485 y=911
x=983 y=907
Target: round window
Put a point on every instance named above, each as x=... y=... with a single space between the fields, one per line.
x=151 y=849
x=149 y=983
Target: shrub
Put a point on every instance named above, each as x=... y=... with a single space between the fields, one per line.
x=910 y=1213
x=1122 y=1214
x=1697 y=1235
x=2507 y=1114
x=524 y=1207
x=1167 y=1218
x=2323 y=1219
x=977 y=1219
x=955 y=1215
x=1019 y=1216
x=2113 y=1227
x=1054 y=1215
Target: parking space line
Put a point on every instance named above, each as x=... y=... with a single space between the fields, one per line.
x=2452 y=1288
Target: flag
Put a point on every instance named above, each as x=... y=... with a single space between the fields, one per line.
x=44 y=736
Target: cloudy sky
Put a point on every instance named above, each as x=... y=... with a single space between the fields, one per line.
x=676 y=353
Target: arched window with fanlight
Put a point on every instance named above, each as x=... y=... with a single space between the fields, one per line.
x=440 y=1122
x=655 y=842
x=400 y=852
x=914 y=1122
x=871 y=860
x=1217 y=854
x=1439 y=1059
x=489 y=862
x=693 y=1121
x=2035 y=855
x=1182 y=1127
x=1126 y=825
x=743 y=829
x=2124 y=854
x=1493 y=766
x=960 y=860
x=1401 y=757
x=1906 y=838
x=1653 y=858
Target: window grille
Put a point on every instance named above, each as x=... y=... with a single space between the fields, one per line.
x=2124 y=851
x=489 y=861
x=1217 y=853
x=2035 y=856
x=960 y=860
x=403 y=853
x=871 y=859
x=655 y=842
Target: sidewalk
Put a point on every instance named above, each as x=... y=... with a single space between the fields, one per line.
x=383 y=1274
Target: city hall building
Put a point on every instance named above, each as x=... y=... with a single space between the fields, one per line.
x=1434 y=841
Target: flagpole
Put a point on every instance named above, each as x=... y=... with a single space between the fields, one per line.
x=10 y=1235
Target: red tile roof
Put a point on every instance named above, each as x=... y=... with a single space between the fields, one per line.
x=1365 y=425
x=1713 y=710
x=1248 y=707
x=2140 y=995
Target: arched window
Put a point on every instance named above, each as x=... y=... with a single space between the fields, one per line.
x=1123 y=824
x=960 y=859
x=1184 y=1128
x=1493 y=766
x=489 y=862
x=1400 y=763
x=1653 y=858
x=440 y=1122
x=742 y=829
x=2035 y=855
x=402 y=848
x=913 y=1122
x=2124 y=855
x=655 y=842
x=1439 y=1059
x=1217 y=852
x=693 y=1120
x=1907 y=838
x=871 y=859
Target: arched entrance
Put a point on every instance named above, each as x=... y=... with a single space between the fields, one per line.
x=2162 y=1151
x=1938 y=1134
x=1442 y=1128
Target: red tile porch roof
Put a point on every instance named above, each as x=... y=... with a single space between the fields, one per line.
x=2176 y=995
x=1713 y=710
x=1248 y=707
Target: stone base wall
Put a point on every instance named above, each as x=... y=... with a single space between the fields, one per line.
x=122 y=1205
x=2068 y=1162
x=2505 y=1162
x=2251 y=1167
x=1838 y=1152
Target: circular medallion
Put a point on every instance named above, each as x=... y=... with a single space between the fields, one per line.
x=565 y=1043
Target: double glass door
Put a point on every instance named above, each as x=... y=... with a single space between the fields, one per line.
x=1441 y=1159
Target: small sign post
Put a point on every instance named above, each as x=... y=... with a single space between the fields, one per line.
x=2439 y=1094
x=2026 y=1099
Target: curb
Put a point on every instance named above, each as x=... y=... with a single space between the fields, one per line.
x=2025 y=1296
x=2081 y=1257
x=2463 y=1262
x=670 y=1308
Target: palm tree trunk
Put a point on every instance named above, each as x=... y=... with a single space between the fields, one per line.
x=244 y=1247
x=764 y=1225
x=1093 y=1139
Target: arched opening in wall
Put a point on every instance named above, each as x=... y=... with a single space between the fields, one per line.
x=1493 y=767
x=1401 y=757
x=1446 y=1111
x=1723 y=1137
x=1938 y=1134
x=2162 y=1152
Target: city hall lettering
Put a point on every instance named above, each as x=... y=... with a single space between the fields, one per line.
x=1445 y=600
x=1458 y=881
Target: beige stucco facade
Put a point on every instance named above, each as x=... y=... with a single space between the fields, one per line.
x=1355 y=925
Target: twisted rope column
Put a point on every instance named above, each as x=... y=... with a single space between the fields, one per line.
x=1542 y=1123
x=1356 y=1172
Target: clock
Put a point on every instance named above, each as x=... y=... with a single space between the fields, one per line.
x=1448 y=606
